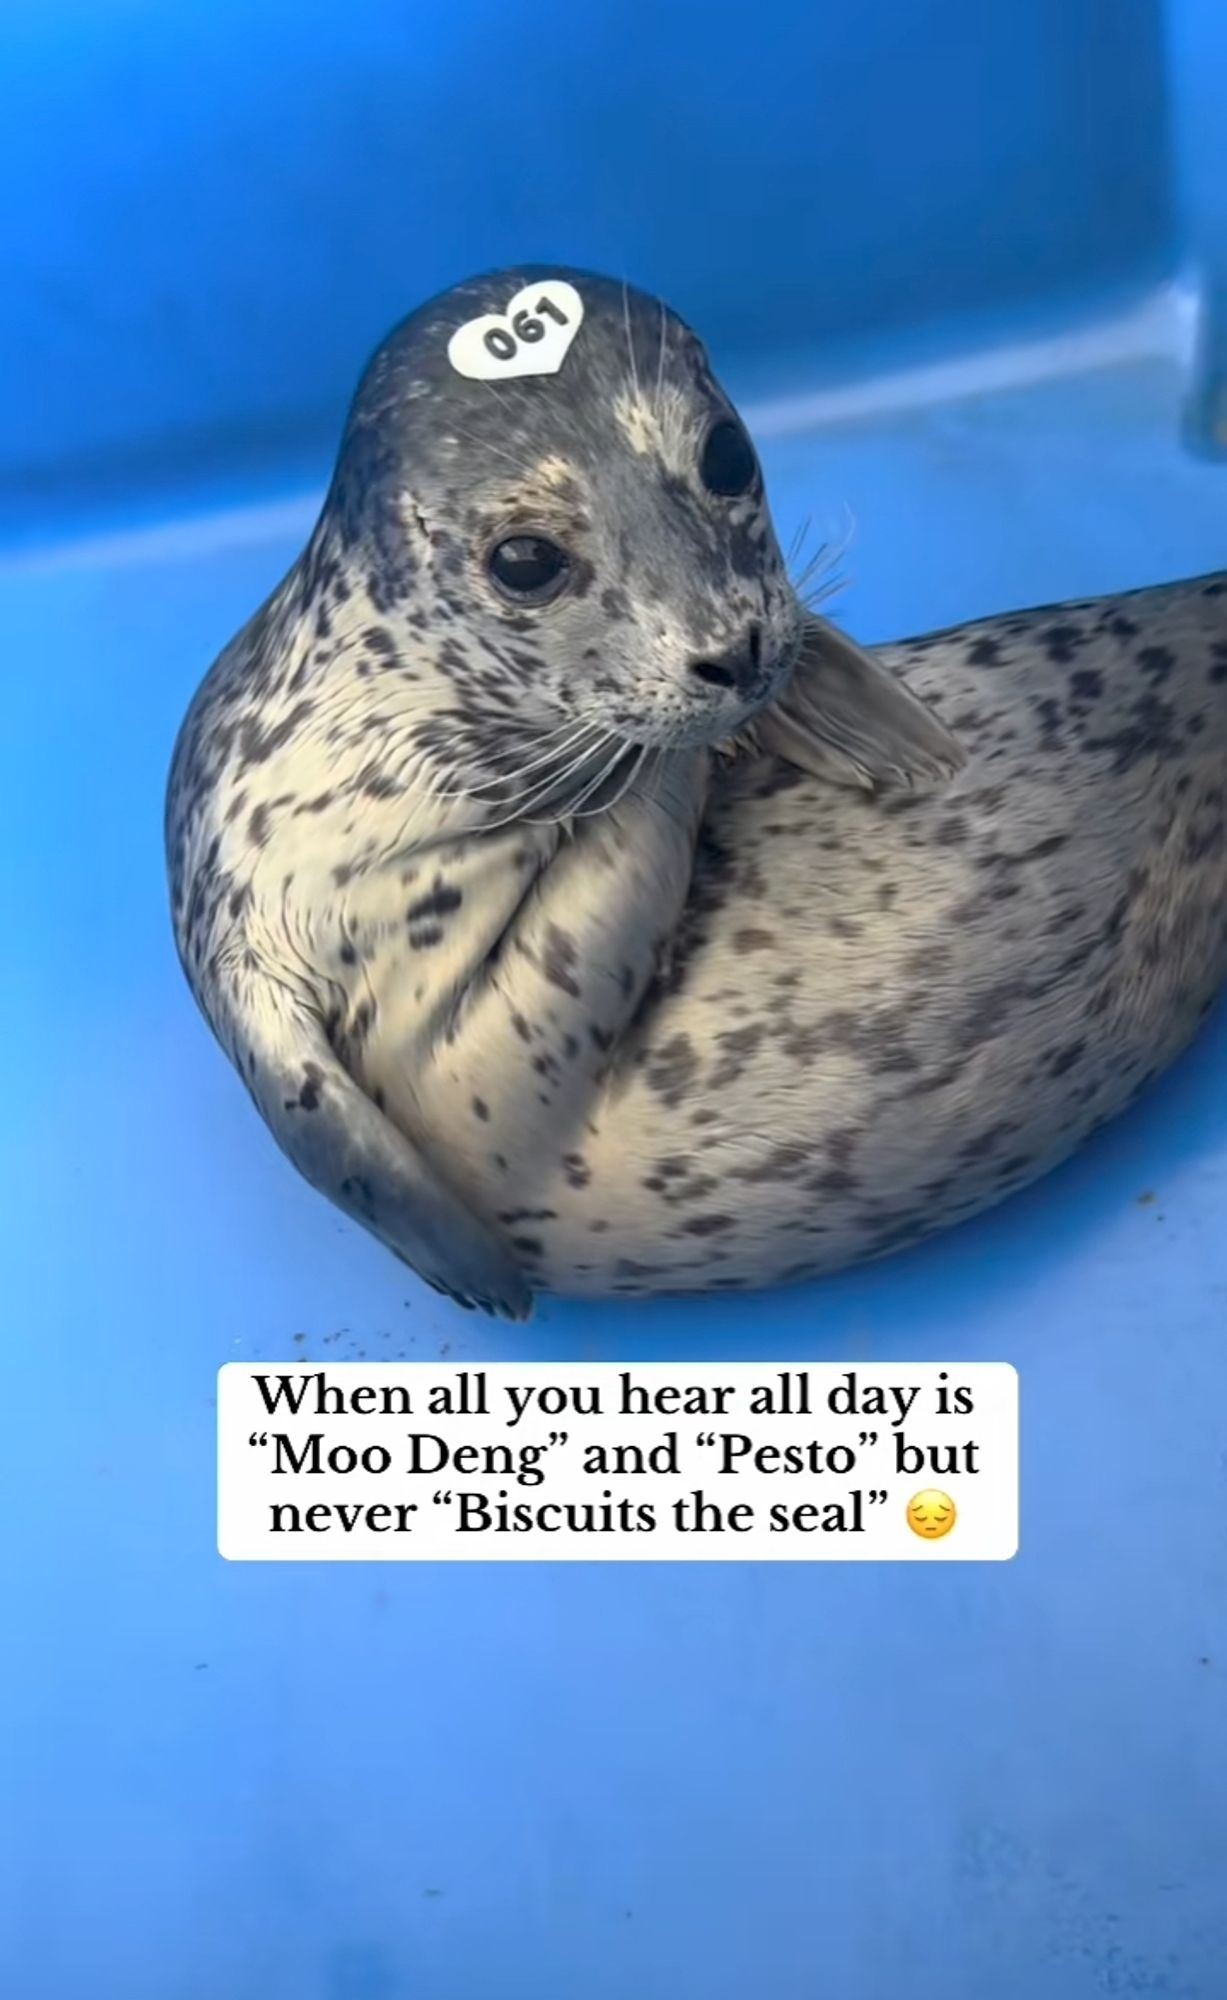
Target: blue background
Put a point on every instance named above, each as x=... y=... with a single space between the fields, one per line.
x=526 y=1783
x=217 y=207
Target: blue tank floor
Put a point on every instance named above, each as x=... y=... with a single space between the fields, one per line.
x=530 y=1782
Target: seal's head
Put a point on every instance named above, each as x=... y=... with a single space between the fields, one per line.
x=542 y=477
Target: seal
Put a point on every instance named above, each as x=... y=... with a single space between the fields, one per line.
x=586 y=915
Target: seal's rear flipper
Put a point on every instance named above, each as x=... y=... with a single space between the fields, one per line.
x=346 y=1148
x=846 y=718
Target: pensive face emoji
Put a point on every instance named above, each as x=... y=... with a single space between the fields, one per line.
x=931 y=1514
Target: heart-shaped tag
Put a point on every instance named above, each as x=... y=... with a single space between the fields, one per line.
x=530 y=338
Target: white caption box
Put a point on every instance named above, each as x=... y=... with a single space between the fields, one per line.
x=607 y=1461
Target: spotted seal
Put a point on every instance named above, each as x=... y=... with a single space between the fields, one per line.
x=585 y=915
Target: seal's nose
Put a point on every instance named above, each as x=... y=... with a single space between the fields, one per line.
x=738 y=669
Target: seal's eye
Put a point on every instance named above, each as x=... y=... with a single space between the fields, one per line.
x=529 y=568
x=728 y=465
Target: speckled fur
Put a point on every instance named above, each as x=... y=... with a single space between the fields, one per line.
x=748 y=1022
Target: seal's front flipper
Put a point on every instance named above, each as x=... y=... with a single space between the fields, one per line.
x=846 y=718
x=345 y=1147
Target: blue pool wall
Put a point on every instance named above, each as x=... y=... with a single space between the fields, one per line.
x=219 y=208
x=1197 y=65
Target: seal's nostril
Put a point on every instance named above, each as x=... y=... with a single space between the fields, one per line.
x=734 y=670
x=712 y=672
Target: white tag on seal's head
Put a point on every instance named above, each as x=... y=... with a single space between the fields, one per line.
x=531 y=338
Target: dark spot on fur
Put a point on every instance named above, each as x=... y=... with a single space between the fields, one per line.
x=1156 y=663
x=257 y=745
x=671 y=1070
x=308 y=1098
x=359 y=1191
x=987 y=1141
x=558 y=958
x=1114 y=927
x=1049 y=713
x=1149 y=733
x=736 y=1046
x=441 y=901
x=1086 y=684
x=1061 y=642
x=1065 y=1059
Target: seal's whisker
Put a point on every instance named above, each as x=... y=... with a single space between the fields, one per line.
x=822 y=593
x=630 y=339
x=536 y=794
x=576 y=772
x=824 y=555
x=798 y=541
x=510 y=775
x=484 y=444
x=546 y=771
x=814 y=588
x=571 y=798
x=664 y=348
x=654 y=783
x=843 y=541
x=591 y=790
x=636 y=766
x=557 y=743
x=827 y=554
